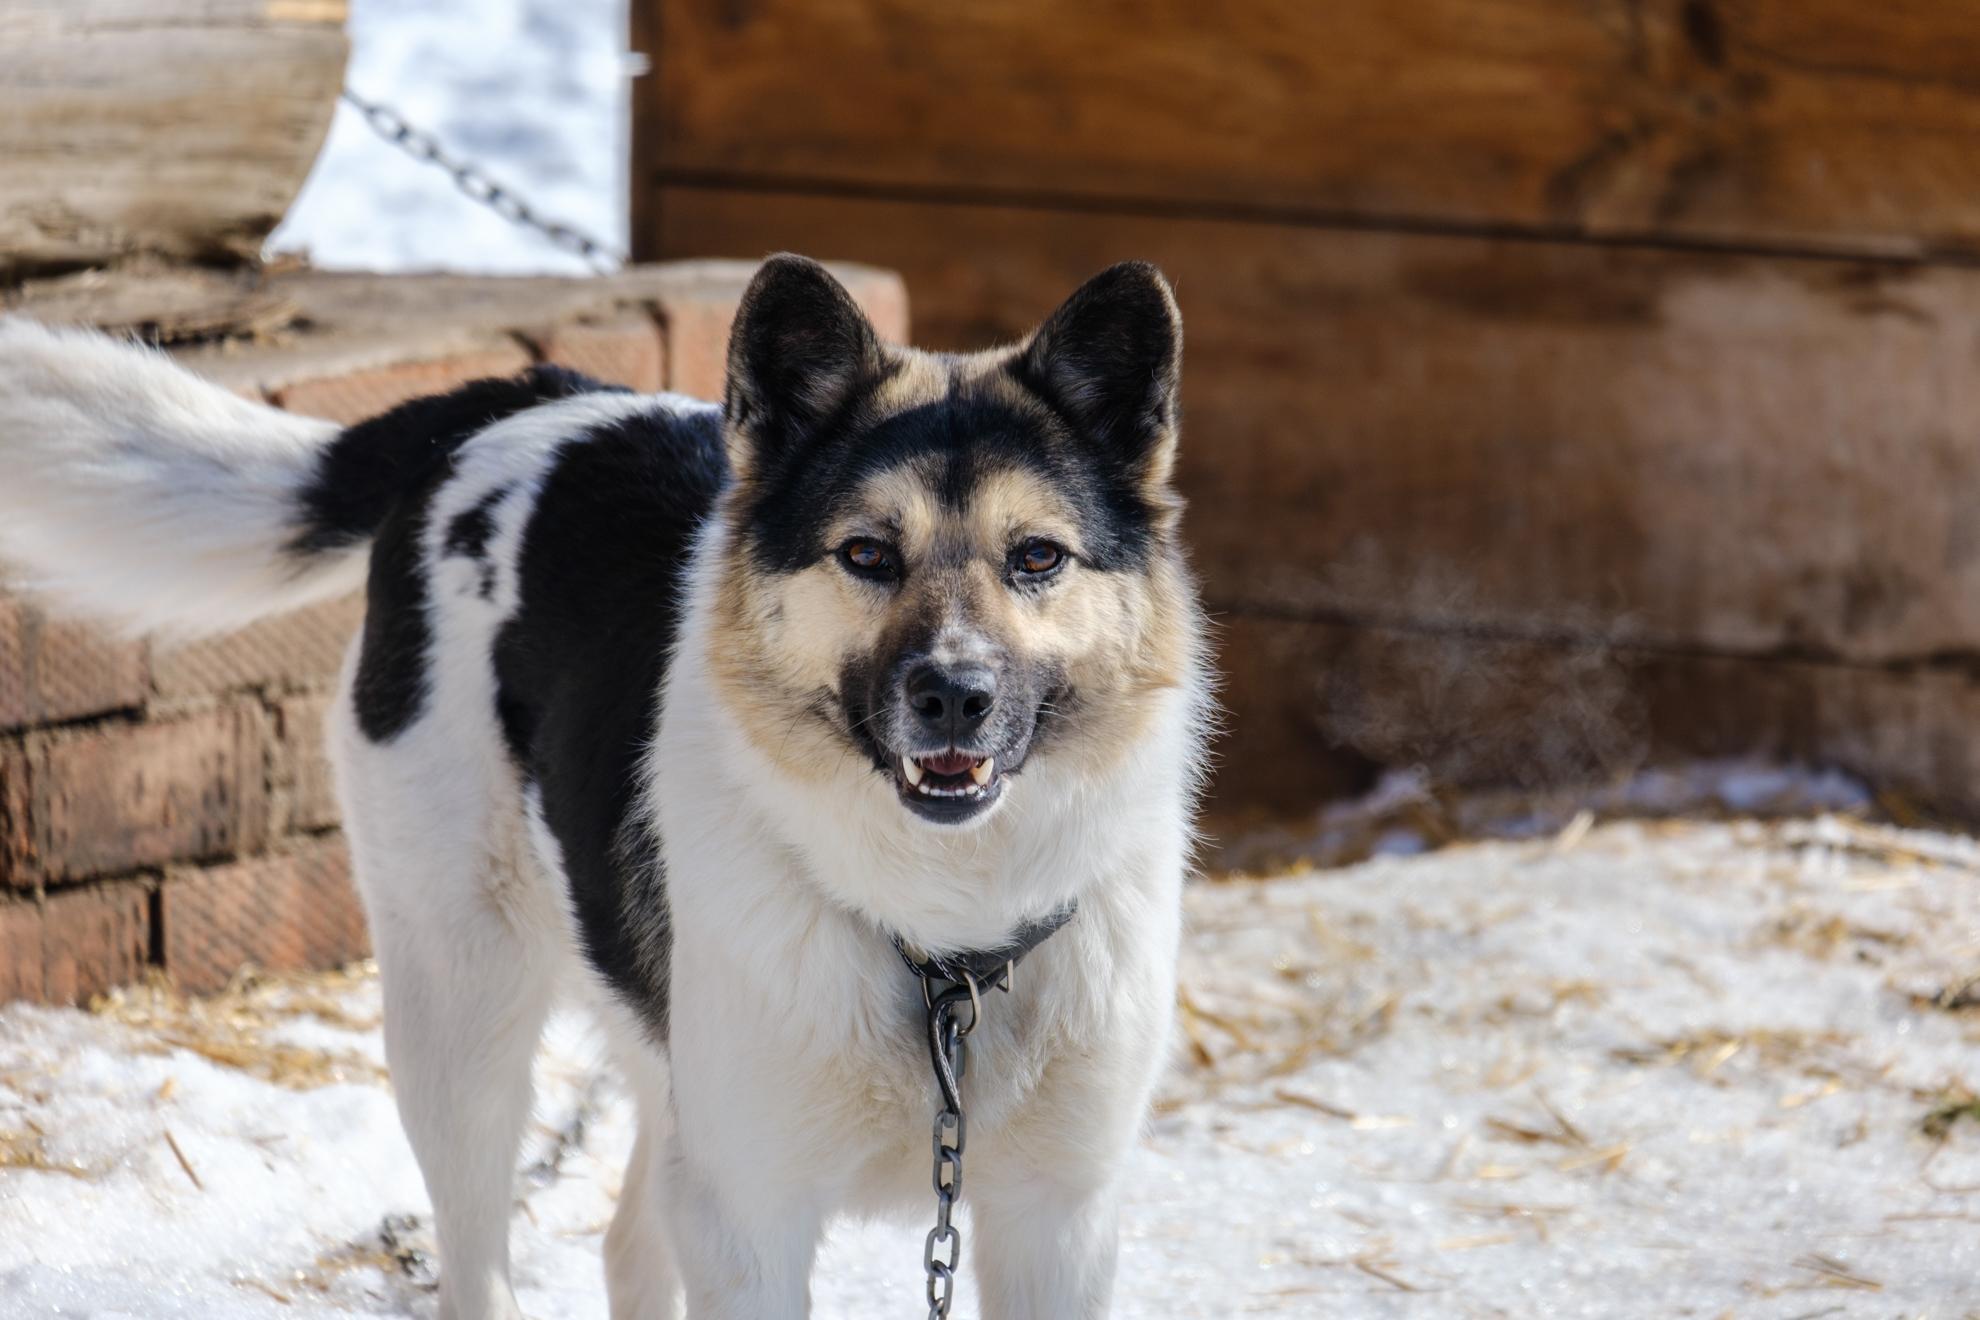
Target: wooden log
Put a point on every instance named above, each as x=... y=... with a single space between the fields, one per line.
x=1784 y=123
x=1699 y=452
x=266 y=333
x=159 y=302
x=177 y=127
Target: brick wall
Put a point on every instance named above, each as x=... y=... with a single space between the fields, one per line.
x=169 y=805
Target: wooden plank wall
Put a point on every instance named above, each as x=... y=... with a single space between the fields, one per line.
x=1588 y=359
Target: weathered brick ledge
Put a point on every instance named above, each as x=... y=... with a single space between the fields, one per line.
x=170 y=806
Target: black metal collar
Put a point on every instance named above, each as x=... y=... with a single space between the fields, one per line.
x=986 y=967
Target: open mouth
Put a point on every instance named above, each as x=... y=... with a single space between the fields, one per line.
x=949 y=785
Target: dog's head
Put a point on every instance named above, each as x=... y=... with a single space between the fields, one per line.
x=943 y=571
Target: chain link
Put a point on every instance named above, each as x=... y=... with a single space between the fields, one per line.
x=478 y=186
x=948 y=1042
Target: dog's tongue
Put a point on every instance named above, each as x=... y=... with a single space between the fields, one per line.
x=948 y=763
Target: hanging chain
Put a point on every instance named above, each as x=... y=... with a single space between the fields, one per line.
x=949 y=1047
x=947 y=984
x=948 y=1051
x=473 y=181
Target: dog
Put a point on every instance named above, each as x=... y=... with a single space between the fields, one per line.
x=701 y=714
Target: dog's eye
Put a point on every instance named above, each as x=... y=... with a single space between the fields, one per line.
x=1035 y=558
x=868 y=558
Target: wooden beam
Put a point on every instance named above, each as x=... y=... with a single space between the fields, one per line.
x=1781 y=124
x=1681 y=451
x=262 y=333
x=177 y=127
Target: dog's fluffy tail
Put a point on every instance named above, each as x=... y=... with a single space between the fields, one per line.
x=134 y=491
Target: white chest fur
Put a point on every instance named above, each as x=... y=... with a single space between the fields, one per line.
x=797 y=1047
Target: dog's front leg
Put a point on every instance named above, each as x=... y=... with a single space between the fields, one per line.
x=743 y=1255
x=1044 y=1250
x=1043 y=1194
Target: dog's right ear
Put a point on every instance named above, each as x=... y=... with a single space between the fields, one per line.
x=800 y=351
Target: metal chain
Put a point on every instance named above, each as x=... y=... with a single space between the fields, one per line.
x=476 y=184
x=941 y=1256
x=948 y=1051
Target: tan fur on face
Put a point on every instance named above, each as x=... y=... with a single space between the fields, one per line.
x=783 y=640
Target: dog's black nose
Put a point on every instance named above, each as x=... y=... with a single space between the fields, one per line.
x=951 y=702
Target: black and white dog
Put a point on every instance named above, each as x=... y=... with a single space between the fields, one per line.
x=693 y=712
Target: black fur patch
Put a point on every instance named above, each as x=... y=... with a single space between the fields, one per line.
x=391 y=675
x=579 y=667
x=468 y=533
x=800 y=352
x=371 y=465
x=1109 y=361
x=971 y=435
x=377 y=480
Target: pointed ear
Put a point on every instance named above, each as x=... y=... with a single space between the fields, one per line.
x=1110 y=359
x=800 y=351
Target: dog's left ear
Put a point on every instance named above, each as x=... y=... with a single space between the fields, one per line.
x=800 y=351
x=1110 y=359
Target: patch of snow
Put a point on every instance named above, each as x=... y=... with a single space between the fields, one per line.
x=533 y=91
x=1655 y=1069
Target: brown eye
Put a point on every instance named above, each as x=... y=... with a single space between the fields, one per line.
x=867 y=557
x=1037 y=557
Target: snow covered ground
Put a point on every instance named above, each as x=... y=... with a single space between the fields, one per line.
x=533 y=90
x=1653 y=1069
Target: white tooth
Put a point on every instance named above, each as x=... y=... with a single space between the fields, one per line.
x=982 y=770
x=912 y=771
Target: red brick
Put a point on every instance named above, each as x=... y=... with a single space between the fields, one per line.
x=304 y=796
x=119 y=796
x=16 y=838
x=75 y=944
x=697 y=321
x=302 y=649
x=627 y=350
x=882 y=295
x=93 y=939
x=363 y=394
x=20 y=949
x=290 y=911
x=59 y=669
